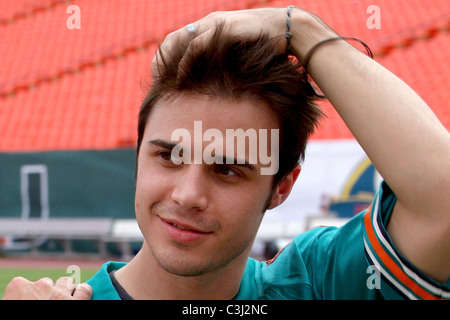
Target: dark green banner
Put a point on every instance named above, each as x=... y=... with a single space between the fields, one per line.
x=68 y=184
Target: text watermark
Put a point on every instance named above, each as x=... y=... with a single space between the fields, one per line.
x=234 y=144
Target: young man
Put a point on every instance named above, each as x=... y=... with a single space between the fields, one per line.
x=199 y=218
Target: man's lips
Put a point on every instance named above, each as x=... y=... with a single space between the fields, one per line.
x=182 y=232
x=184 y=226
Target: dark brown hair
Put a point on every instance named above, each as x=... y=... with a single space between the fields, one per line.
x=236 y=67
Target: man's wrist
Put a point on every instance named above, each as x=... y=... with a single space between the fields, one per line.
x=307 y=30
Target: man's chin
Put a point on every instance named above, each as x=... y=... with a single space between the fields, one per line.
x=184 y=268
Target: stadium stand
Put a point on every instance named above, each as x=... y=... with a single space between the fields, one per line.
x=80 y=89
x=65 y=229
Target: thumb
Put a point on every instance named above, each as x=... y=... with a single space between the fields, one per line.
x=83 y=292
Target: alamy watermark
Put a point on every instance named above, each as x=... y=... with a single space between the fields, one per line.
x=374 y=279
x=233 y=141
x=374 y=20
x=74 y=274
x=74 y=20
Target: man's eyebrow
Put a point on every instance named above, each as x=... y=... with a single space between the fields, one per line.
x=162 y=143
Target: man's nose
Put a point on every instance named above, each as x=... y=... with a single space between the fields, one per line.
x=191 y=188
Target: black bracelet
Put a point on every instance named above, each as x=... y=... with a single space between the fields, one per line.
x=311 y=51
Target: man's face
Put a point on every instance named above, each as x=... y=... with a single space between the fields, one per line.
x=199 y=218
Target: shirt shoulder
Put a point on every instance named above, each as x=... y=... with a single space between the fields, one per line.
x=102 y=287
x=355 y=261
x=314 y=265
x=323 y=263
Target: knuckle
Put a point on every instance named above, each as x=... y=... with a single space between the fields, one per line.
x=43 y=283
x=214 y=14
x=65 y=282
x=59 y=295
x=70 y=283
x=172 y=35
x=17 y=282
x=69 y=279
x=83 y=292
x=44 y=280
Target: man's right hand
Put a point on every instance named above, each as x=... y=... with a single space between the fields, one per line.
x=44 y=289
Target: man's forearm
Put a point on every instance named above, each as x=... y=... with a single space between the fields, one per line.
x=401 y=135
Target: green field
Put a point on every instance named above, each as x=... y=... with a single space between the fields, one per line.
x=6 y=274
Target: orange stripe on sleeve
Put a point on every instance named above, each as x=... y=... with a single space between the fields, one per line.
x=391 y=264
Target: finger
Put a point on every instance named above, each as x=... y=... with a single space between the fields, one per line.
x=179 y=38
x=15 y=288
x=198 y=43
x=44 y=283
x=63 y=289
x=83 y=292
x=182 y=37
x=17 y=282
x=41 y=289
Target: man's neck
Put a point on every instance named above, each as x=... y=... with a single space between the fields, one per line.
x=144 y=279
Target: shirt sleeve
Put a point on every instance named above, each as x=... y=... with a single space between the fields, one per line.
x=399 y=278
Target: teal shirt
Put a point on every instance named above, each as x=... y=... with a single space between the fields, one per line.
x=355 y=261
x=102 y=287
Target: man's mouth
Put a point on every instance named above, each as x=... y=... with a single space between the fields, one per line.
x=183 y=226
x=182 y=232
x=178 y=226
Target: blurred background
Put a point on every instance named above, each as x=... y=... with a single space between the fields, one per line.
x=73 y=75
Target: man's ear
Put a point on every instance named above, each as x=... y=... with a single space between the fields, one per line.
x=284 y=187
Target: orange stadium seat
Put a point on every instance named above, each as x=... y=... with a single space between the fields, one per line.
x=64 y=89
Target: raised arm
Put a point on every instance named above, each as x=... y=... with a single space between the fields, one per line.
x=400 y=134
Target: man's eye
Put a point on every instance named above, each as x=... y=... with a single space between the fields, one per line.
x=165 y=155
x=225 y=171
